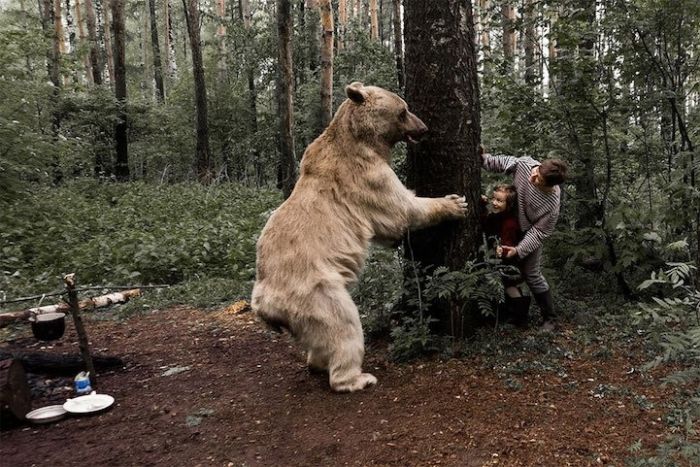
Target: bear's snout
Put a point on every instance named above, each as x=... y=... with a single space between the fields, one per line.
x=416 y=129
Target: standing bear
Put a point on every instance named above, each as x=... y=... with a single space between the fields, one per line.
x=314 y=245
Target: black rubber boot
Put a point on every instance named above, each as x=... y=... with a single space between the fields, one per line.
x=519 y=310
x=544 y=301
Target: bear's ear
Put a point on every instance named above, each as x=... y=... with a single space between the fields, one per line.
x=355 y=92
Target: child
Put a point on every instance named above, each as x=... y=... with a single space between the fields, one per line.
x=501 y=223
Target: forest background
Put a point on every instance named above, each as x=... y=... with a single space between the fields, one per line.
x=147 y=142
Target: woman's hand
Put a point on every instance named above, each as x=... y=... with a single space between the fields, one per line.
x=508 y=251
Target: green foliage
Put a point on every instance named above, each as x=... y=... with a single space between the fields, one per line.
x=130 y=234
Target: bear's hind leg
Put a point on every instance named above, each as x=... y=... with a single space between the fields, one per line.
x=335 y=340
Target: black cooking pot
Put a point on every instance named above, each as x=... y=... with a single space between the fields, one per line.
x=49 y=326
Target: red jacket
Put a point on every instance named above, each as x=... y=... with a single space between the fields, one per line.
x=503 y=225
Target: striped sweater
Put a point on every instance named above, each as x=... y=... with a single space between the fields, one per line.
x=537 y=211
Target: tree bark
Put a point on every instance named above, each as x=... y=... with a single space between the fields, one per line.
x=286 y=173
x=120 y=128
x=509 y=36
x=202 y=161
x=59 y=365
x=446 y=161
x=326 y=63
x=246 y=18
x=374 y=21
x=398 y=45
x=171 y=59
x=15 y=395
x=221 y=34
x=157 y=66
x=81 y=39
x=53 y=68
x=95 y=59
x=342 y=23
x=530 y=41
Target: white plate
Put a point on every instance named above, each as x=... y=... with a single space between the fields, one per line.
x=88 y=404
x=47 y=414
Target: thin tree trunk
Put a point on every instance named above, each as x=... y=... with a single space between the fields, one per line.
x=120 y=129
x=342 y=23
x=109 y=54
x=221 y=34
x=446 y=161
x=70 y=27
x=202 y=161
x=509 y=36
x=157 y=67
x=286 y=173
x=398 y=45
x=484 y=39
x=246 y=17
x=81 y=38
x=374 y=21
x=326 y=63
x=58 y=26
x=95 y=58
x=530 y=41
x=101 y=39
x=52 y=65
x=170 y=57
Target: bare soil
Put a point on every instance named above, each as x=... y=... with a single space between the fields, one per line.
x=244 y=397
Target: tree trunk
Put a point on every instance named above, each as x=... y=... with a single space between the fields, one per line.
x=202 y=164
x=157 y=67
x=120 y=128
x=81 y=38
x=58 y=26
x=326 y=63
x=70 y=26
x=101 y=39
x=342 y=23
x=286 y=173
x=15 y=395
x=95 y=58
x=398 y=46
x=530 y=41
x=374 y=21
x=484 y=39
x=108 y=47
x=446 y=161
x=246 y=17
x=221 y=34
x=59 y=365
x=509 y=36
x=52 y=64
x=169 y=40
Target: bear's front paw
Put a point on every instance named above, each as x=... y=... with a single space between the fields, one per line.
x=456 y=206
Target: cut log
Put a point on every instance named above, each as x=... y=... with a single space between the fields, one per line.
x=95 y=302
x=59 y=364
x=15 y=398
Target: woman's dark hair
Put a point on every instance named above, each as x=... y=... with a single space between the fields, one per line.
x=511 y=196
x=553 y=172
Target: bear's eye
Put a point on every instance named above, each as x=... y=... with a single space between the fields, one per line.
x=403 y=114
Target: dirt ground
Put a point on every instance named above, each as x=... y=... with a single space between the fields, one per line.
x=243 y=397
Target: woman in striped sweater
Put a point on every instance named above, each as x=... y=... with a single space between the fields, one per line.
x=539 y=199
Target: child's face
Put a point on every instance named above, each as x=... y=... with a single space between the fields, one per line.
x=499 y=201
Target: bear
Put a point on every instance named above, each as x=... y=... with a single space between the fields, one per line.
x=314 y=244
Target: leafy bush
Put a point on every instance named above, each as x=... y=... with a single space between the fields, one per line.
x=130 y=233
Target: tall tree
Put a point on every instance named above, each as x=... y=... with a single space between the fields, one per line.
x=202 y=158
x=221 y=35
x=95 y=56
x=446 y=161
x=246 y=17
x=170 y=58
x=326 y=63
x=342 y=23
x=509 y=36
x=398 y=44
x=81 y=38
x=52 y=64
x=120 y=129
x=157 y=67
x=530 y=41
x=374 y=20
x=286 y=168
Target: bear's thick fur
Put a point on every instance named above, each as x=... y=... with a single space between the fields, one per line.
x=314 y=245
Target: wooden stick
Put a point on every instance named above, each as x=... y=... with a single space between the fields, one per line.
x=83 y=341
x=95 y=302
x=82 y=289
